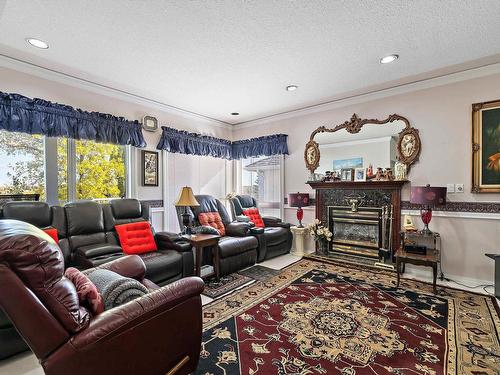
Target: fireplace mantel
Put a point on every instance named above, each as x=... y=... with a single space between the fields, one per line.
x=375 y=194
x=357 y=184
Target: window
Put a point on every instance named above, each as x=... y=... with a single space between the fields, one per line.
x=262 y=179
x=61 y=169
x=100 y=170
x=23 y=164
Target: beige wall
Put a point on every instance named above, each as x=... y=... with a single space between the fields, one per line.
x=443 y=116
x=194 y=169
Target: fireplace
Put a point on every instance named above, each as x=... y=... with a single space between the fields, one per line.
x=364 y=217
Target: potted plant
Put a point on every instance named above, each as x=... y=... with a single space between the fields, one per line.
x=322 y=236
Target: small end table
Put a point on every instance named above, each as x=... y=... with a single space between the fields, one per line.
x=200 y=242
x=299 y=237
x=431 y=259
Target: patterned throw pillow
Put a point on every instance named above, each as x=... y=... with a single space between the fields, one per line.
x=136 y=238
x=214 y=220
x=86 y=290
x=254 y=215
x=205 y=229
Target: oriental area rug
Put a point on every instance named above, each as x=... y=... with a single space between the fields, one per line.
x=333 y=318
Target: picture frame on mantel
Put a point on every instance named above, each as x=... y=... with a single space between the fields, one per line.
x=149 y=167
x=486 y=147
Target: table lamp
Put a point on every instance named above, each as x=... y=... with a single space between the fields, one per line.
x=427 y=197
x=186 y=199
x=299 y=200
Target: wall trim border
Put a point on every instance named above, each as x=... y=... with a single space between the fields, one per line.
x=81 y=83
x=460 y=215
x=469 y=207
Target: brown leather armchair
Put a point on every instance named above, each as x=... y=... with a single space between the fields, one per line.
x=150 y=335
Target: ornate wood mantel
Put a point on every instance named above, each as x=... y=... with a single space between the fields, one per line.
x=375 y=193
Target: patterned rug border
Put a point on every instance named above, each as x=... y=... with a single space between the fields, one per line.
x=237 y=310
x=312 y=257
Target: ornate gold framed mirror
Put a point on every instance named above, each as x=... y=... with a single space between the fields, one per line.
x=396 y=144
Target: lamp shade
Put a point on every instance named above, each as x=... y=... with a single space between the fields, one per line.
x=186 y=198
x=298 y=199
x=430 y=196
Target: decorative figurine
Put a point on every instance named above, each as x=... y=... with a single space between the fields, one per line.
x=379 y=175
x=369 y=172
x=388 y=174
x=400 y=171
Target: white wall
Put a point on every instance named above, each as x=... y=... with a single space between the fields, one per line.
x=203 y=174
x=443 y=116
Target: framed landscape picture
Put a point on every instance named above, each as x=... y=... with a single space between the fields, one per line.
x=486 y=147
x=149 y=160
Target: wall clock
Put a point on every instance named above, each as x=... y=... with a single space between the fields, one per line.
x=150 y=123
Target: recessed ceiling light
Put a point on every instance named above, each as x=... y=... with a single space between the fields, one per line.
x=292 y=87
x=388 y=59
x=37 y=43
x=235 y=113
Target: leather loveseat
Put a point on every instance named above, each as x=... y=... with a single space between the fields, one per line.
x=67 y=339
x=237 y=248
x=276 y=237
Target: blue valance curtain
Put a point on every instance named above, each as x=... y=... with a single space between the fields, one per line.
x=179 y=141
x=262 y=146
x=37 y=116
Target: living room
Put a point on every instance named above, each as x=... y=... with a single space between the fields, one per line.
x=307 y=187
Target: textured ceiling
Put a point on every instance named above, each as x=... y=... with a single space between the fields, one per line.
x=218 y=57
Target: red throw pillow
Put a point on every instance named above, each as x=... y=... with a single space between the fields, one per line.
x=136 y=238
x=87 y=292
x=214 y=220
x=52 y=232
x=254 y=215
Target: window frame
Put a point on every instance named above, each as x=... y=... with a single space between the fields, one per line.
x=238 y=174
x=51 y=171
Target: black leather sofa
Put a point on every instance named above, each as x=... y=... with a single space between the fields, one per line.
x=238 y=248
x=87 y=238
x=276 y=237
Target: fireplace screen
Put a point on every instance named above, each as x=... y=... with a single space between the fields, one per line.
x=358 y=232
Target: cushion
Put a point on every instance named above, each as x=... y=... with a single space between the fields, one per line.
x=136 y=238
x=97 y=250
x=214 y=220
x=254 y=215
x=52 y=232
x=86 y=290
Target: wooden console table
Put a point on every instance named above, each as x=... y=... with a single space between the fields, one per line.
x=200 y=242
x=431 y=259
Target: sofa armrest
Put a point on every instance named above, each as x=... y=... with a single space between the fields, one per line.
x=238 y=229
x=127 y=317
x=128 y=266
x=271 y=221
x=171 y=241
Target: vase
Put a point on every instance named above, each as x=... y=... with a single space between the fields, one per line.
x=322 y=248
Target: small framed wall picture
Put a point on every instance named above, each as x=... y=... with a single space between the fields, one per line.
x=149 y=123
x=149 y=163
x=359 y=174
x=346 y=174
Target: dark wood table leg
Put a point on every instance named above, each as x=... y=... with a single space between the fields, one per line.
x=216 y=262
x=434 y=276
x=198 y=261
x=398 y=270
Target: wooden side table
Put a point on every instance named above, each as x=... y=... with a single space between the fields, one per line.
x=200 y=242
x=299 y=237
x=431 y=259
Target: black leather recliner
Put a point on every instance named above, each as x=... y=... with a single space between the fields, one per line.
x=238 y=248
x=276 y=238
x=92 y=239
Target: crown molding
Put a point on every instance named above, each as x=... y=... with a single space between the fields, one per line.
x=377 y=94
x=56 y=76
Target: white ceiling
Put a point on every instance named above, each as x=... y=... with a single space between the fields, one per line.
x=217 y=57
